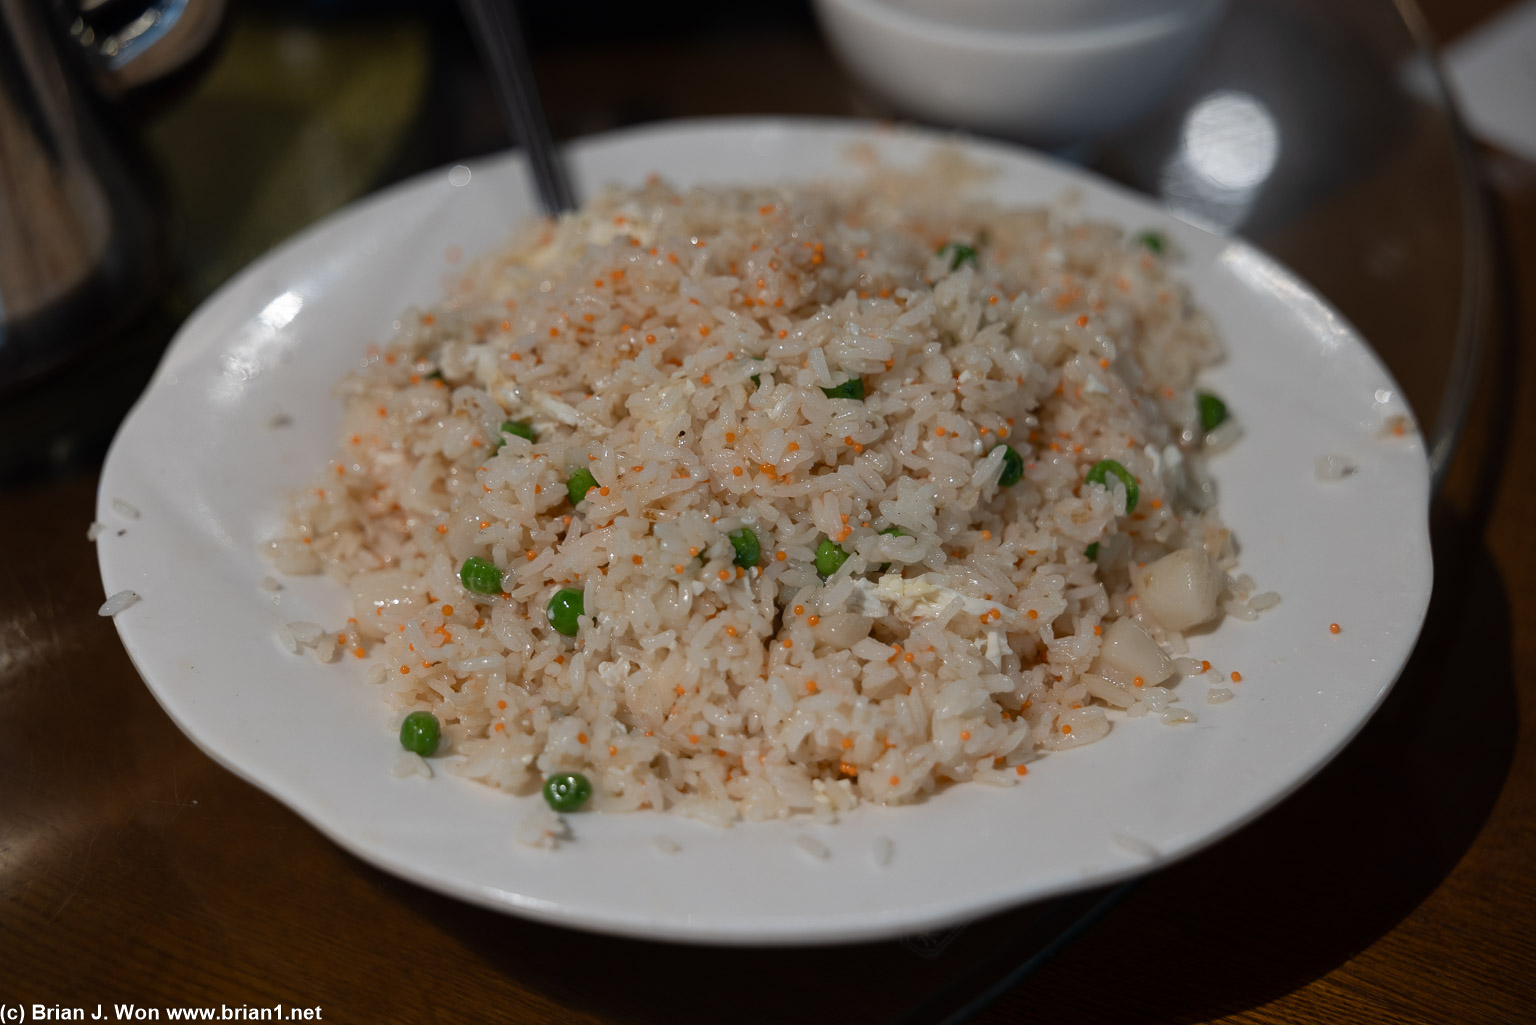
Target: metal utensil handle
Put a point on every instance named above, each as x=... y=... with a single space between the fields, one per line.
x=501 y=44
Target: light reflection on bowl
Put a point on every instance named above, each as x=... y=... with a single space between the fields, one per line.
x=1039 y=15
x=1228 y=148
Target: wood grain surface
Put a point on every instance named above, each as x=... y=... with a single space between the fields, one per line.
x=1399 y=885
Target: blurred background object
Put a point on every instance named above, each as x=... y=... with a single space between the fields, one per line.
x=1044 y=72
x=498 y=31
x=128 y=45
x=1490 y=71
x=1295 y=127
x=79 y=245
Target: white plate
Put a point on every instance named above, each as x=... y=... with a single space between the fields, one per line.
x=199 y=458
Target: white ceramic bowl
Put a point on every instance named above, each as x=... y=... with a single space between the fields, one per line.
x=1049 y=88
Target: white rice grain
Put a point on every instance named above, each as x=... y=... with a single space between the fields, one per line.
x=1239 y=610
x=411 y=764
x=1334 y=467
x=482 y=664
x=812 y=846
x=326 y=648
x=124 y=509
x=541 y=827
x=883 y=850
x=1223 y=437
x=306 y=633
x=1135 y=845
x=117 y=603
x=1263 y=601
x=95 y=530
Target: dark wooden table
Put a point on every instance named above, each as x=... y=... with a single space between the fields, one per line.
x=1399 y=885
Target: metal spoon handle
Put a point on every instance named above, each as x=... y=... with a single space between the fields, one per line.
x=496 y=29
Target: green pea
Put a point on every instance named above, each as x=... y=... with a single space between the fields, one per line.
x=480 y=576
x=567 y=791
x=1153 y=240
x=895 y=532
x=521 y=429
x=829 y=557
x=1092 y=551
x=566 y=609
x=959 y=253
x=1213 y=411
x=578 y=484
x=420 y=733
x=853 y=388
x=748 y=551
x=436 y=375
x=1013 y=466
x=1100 y=473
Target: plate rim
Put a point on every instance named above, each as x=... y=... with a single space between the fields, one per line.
x=193 y=338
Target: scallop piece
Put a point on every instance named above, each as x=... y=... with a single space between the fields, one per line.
x=391 y=590
x=841 y=629
x=1130 y=649
x=1182 y=589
